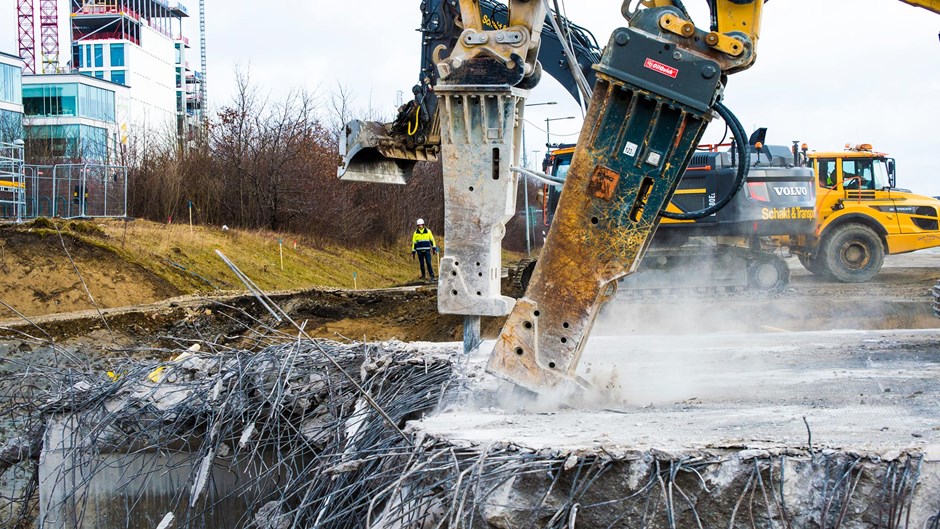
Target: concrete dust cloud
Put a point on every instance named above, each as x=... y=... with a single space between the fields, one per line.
x=673 y=347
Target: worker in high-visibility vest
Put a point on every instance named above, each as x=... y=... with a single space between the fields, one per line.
x=422 y=246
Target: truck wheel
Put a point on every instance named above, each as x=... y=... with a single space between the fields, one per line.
x=936 y=299
x=813 y=265
x=852 y=253
x=768 y=274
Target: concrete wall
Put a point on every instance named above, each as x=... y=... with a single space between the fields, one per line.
x=85 y=486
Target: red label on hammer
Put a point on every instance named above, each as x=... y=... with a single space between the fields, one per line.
x=659 y=67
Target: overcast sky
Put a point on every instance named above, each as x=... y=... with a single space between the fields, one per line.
x=829 y=72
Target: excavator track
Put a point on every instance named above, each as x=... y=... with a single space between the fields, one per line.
x=706 y=271
x=696 y=271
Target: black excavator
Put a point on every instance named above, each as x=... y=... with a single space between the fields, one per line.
x=727 y=251
x=386 y=152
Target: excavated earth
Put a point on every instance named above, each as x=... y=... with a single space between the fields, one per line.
x=897 y=298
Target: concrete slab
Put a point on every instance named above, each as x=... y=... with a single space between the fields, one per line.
x=833 y=429
x=865 y=391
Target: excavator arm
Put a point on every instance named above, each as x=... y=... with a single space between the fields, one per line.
x=929 y=5
x=387 y=152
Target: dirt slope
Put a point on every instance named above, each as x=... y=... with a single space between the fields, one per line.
x=44 y=264
x=40 y=279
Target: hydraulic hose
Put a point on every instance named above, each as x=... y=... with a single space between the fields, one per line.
x=744 y=163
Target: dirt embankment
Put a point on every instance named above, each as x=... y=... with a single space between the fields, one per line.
x=51 y=267
x=132 y=271
x=46 y=272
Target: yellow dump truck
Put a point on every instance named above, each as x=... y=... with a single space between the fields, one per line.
x=862 y=215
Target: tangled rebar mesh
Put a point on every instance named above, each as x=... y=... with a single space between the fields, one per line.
x=274 y=438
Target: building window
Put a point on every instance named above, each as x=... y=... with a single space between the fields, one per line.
x=11 y=125
x=10 y=89
x=99 y=74
x=76 y=56
x=87 y=63
x=99 y=56
x=50 y=100
x=67 y=141
x=96 y=103
x=117 y=55
x=117 y=76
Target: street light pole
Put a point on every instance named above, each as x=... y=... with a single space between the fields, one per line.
x=548 y=124
x=525 y=183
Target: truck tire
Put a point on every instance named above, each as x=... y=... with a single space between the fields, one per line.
x=768 y=274
x=936 y=299
x=852 y=253
x=813 y=265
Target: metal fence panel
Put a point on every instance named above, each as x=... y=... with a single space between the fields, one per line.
x=74 y=191
x=12 y=182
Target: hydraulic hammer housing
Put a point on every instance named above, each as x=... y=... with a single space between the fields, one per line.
x=650 y=107
x=479 y=139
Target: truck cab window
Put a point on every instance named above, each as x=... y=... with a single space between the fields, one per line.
x=561 y=166
x=827 y=172
x=858 y=174
x=880 y=170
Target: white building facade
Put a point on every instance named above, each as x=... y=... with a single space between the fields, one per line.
x=11 y=98
x=138 y=44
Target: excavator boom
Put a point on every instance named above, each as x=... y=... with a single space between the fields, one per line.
x=929 y=5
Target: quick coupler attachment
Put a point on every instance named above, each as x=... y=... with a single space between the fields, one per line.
x=650 y=107
x=370 y=152
x=478 y=148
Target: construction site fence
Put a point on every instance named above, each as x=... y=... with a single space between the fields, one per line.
x=70 y=191
x=12 y=181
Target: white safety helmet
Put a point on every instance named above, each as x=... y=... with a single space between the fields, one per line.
x=420 y=222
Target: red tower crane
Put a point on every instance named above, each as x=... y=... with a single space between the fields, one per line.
x=27 y=34
x=49 y=35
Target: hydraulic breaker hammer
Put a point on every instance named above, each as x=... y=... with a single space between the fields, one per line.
x=657 y=84
x=478 y=147
x=480 y=105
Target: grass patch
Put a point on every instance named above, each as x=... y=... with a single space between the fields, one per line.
x=186 y=258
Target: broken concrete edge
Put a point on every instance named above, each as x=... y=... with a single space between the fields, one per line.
x=715 y=453
x=507 y=485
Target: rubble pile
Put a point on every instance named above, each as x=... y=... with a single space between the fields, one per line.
x=394 y=435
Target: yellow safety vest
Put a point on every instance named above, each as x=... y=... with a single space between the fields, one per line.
x=422 y=239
